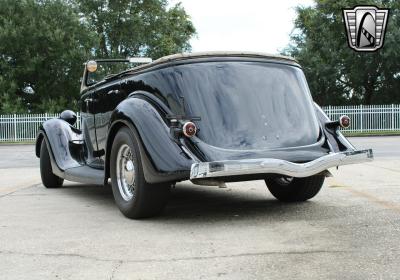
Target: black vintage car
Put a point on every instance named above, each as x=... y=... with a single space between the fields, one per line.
x=208 y=117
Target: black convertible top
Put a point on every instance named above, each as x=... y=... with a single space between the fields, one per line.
x=215 y=54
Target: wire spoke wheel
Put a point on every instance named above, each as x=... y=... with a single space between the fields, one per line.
x=134 y=196
x=126 y=172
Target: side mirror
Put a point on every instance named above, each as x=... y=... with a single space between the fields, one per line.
x=68 y=116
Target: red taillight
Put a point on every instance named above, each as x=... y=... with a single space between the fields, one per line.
x=189 y=129
x=344 y=121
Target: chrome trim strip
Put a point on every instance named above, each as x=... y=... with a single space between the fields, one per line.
x=277 y=166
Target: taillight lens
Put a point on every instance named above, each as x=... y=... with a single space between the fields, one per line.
x=189 y=129
x=344 y=121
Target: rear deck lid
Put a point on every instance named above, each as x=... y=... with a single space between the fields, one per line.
x=246 y=105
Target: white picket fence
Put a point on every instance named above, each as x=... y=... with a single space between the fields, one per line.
x=23 y=127
x=373 y=118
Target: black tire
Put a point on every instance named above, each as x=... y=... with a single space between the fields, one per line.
x=147 y=199
x=289 y=189
x=49 y=179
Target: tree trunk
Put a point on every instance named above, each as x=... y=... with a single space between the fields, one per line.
x=369 y=92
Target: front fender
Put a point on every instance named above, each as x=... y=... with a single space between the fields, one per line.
x=58 y=135
x=163 y=159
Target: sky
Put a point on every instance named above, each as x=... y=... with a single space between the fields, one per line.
x=249 y=25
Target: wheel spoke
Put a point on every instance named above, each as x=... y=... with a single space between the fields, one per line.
x=126 y=172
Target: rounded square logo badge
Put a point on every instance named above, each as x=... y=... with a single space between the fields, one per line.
x=365 y=27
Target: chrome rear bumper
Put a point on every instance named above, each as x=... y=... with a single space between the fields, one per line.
x=276 y=166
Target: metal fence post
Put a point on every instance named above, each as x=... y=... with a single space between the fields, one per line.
x=361 y=118
x=15 y=127
x=330 y=112
x=392 y=117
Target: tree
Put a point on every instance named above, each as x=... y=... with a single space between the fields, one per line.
x=137 y=27
x=43 y=45
x=336 y=73
x=45 y=42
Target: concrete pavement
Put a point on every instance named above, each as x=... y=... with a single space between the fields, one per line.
x=351 y=230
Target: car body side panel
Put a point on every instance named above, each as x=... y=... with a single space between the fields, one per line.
x=87 y=119
x=108 y=98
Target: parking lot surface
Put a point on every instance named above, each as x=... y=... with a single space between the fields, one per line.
x=350 y=230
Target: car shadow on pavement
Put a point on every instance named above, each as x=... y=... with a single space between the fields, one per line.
x=207 y=203
x=90 y=193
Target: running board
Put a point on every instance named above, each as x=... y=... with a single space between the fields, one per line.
x=85 y=174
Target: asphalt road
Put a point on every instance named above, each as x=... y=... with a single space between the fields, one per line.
x=351 y=230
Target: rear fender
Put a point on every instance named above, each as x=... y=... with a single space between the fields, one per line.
x=336 y=141
x=162 y=158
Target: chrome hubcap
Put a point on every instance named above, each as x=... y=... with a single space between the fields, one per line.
x=126 y=172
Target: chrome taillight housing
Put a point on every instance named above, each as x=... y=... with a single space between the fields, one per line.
x=344 y=121
x=189 y=129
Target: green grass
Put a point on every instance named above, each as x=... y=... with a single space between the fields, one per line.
x=371 y=133
x=17 y=143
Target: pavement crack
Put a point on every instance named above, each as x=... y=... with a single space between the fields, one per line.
x=19 y=189
x=383 y=167
x=384 y=203
x=166 y=260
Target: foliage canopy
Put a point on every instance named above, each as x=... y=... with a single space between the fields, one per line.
x=337 y=75
x=44 y=43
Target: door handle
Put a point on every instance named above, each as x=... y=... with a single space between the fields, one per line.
x=88 y=100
